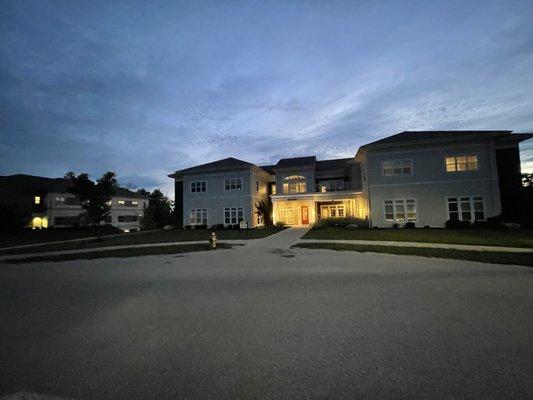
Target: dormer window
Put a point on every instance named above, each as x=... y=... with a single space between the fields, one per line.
x=294 y=184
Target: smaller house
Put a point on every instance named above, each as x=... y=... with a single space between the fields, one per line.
x=50 y=204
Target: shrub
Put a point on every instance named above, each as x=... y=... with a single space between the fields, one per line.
x=495 y=223
x=280 y=225
x=341 y=222
x=479 y=225
x=218 y=226
x=409 y=225
x=453 y=224
x=395 y=225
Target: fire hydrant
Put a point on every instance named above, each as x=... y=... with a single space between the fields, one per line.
x=213 y=240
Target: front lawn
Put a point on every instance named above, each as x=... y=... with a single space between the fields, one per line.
x=480 y=256
x=518 y=238
x=32 y=236
x=159 y=236
x=122 y=253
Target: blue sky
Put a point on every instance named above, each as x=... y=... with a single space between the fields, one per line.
x=145 y=88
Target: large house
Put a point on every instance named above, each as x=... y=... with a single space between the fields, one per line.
x=50 y=204
x=424 y=177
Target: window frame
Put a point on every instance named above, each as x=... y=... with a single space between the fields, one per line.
x=297 y=180
x=240 y=179
x=472 y=200
x=201 y=210
x=231 y=210
x=134 y=218
x=455 y=157
x=201 y=184
x=401 y=167
x=404 y=203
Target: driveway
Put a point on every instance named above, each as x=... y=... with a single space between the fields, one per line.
x=267 y=322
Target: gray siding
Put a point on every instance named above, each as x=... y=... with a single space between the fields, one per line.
x=430 y=184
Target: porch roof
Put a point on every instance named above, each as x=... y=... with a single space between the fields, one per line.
x=319 y=196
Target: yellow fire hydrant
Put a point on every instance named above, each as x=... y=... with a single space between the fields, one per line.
x=213 y=240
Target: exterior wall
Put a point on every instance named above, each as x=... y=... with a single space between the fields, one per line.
x=430 y=184
x=55 y=209
x=215 y=198
x=307 y=172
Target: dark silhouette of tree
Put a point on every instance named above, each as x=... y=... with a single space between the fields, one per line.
x=94 y=197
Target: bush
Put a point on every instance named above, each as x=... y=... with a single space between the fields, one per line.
x=453 y=224
x=280 y=225
x=218 y=226
x=479 y=225
x=340 y=222
x=195 y=227
x=495 y=223
x=409 y=225
x=395 y=225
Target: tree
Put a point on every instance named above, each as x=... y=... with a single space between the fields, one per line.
x=159 y=211
x=94 y=197
x=527 y=180
x=264 y=212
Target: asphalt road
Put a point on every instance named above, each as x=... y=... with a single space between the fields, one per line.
x=264 y=323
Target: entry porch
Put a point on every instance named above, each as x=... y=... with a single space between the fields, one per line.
x=306 y=209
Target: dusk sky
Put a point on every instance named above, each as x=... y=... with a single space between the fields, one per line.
x=145 y=88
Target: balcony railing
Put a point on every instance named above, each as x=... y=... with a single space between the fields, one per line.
x=332 y=186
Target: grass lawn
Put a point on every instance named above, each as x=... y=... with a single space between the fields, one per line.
x=159 y=236
x=518 y=238
x=52 y=235
x=122 y=253
x=480 y=256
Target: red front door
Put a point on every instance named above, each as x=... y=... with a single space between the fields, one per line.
x=305 y=215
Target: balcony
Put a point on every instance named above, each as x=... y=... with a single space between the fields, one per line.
x=332 y=186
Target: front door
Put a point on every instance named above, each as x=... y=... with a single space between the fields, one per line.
x=305 y=215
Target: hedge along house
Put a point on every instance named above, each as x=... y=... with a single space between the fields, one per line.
x=423 y=177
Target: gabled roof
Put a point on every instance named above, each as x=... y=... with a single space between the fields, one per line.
x=43 y=184
x=296 y=162
x=416 y=136
x=220 y=165
x=268 y=168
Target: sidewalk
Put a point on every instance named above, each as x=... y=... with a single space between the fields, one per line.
x=467 y=247
x=281 y=240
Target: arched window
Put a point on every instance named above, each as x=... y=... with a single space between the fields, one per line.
x=294 y=184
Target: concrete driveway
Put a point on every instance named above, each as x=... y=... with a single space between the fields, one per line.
x=264 y=322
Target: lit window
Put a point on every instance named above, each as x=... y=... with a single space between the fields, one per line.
x=198 y=186
x=294 y=184
x=37 y=200
x=233 y=215
x=400 y=210
x=233 y=184
x=121 y=202
x=332 y=211
x=198 y=216
x=461 y=163
x=466 y=208
x=134 y=203
x=397 y=167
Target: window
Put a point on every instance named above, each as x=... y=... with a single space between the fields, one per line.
x=127 y=218
x=37 y=200
x=59 y=200
x=466 y=208
x=126 y=203
x=198 y=186
x=333 y=211
x=233 y=184
x=461 y=163
x=273 y=189
x=397 y=167
x=332 y=186
x=257 y=186
x=198 y=216
x=233 y=215
x=294 y=184
x=400 y=210
x=287 y=215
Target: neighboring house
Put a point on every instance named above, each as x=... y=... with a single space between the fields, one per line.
x=49 y=203
x=422 y=177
